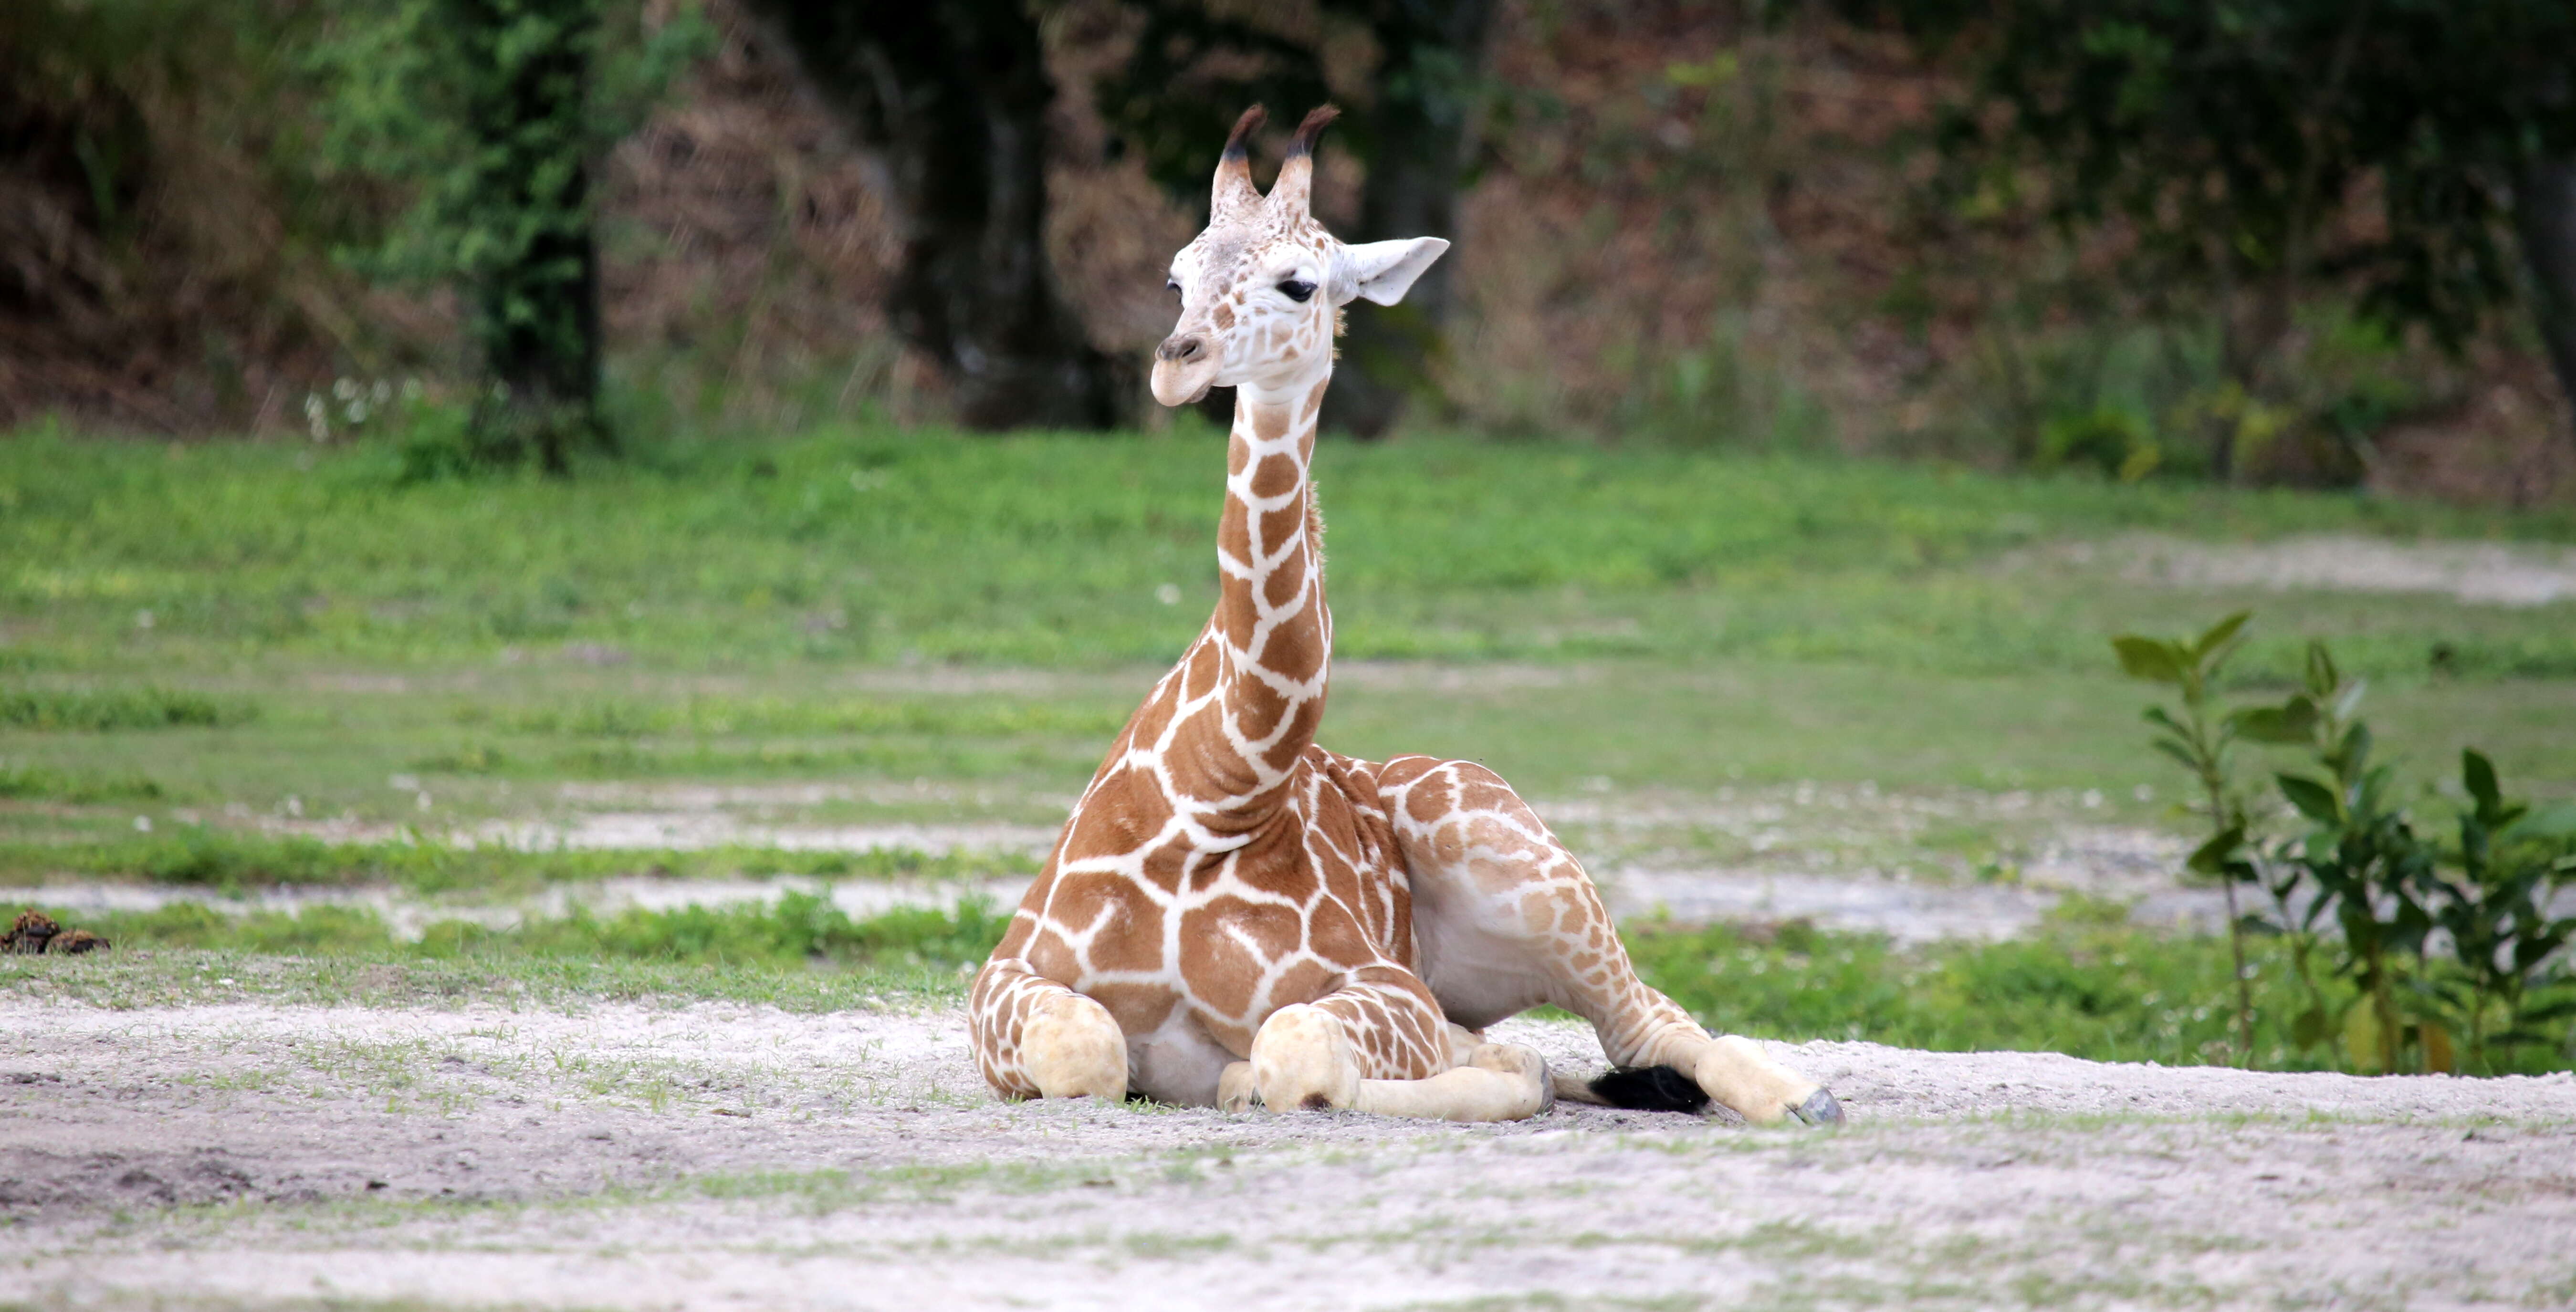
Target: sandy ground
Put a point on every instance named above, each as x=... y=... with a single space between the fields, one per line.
x=2483 y=573
x=740 y=1157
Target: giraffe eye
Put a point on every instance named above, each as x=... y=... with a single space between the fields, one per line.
x=1296 y=290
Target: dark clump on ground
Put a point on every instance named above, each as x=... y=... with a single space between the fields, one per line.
x=36 y=932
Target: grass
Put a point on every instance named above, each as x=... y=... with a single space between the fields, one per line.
x=128 y=979
x=800 y=952
x=316 y=631
x=202 y=644
x=2088 y=986
x=870 y=545
x=30 y=783
x=311 y=637
x=58 y=710
x=800 y=930
x=233 y=861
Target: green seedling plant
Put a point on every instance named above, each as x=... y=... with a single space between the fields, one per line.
x=2319 y=716
x=2427 y=944
x=2203 y=740
x=2493 y=903
x=2366 y=869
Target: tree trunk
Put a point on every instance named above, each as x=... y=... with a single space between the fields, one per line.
x=536 y=319
x=954 y=94
x=1432 y=52
x=2544 y=212
x=548 y=363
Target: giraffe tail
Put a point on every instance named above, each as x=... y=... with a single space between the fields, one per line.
x=1635 y=1088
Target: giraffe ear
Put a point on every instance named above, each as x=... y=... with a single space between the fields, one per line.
x=1383 y=271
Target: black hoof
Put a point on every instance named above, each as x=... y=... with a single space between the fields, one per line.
x=1819 y=1110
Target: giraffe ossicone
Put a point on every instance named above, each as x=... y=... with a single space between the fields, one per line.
x=1235 y=916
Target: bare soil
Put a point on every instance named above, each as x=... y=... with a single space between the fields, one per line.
x=727 y=1156
x=2479 y=573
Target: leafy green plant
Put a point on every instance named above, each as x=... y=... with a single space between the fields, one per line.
x=2203 y=741
x=2365 y=868
x=2435 y=942
x=2418 y=953
x=2226 y=144
x=2495 y=911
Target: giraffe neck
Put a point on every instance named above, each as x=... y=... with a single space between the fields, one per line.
x=1274 y=634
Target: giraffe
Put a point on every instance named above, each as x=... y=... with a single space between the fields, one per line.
x=1234 y=916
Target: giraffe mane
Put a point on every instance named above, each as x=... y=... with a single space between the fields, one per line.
x=1315 y=525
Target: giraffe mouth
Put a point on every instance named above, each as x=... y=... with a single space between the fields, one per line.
x=1181 y=382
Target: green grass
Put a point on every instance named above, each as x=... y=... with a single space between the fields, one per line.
x=233 y=861
x=870 y=545
x=801 y=953
x=861 y=626
x=171 y=977
x=2088 y=985
x=73 y=710
x=320 y=632
x=800 y=930
x=29 y=783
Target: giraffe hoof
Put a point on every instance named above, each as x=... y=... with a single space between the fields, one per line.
x=1820 y=1109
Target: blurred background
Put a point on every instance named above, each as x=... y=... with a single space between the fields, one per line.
x=2280 y=242
x=498 y=482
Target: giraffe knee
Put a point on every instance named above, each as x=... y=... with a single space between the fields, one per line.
x=1303 y=1060
x=1071 y=1048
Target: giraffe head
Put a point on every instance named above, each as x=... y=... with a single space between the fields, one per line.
x=1263 y=287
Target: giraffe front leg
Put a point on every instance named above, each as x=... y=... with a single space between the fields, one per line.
x=1035 y=1038
x=1381 y=1047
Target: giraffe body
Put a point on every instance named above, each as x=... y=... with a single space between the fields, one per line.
x=1234 y=915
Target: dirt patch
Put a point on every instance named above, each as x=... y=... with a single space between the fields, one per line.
x=2482 y=573
x=726 y=1156
x=689 y=831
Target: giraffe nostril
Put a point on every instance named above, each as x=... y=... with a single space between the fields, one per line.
x=1180 y=349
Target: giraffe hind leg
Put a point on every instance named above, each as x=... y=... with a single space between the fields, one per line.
x=1035 y=1038
x=1506 y=919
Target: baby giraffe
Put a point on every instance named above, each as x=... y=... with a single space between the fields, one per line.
x=1236 y=916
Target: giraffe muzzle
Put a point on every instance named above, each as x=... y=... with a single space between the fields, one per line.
x=1184 y=368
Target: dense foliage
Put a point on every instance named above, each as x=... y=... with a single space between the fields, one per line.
x=2251 y=149
x=2253 y=205
x=490 y=114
